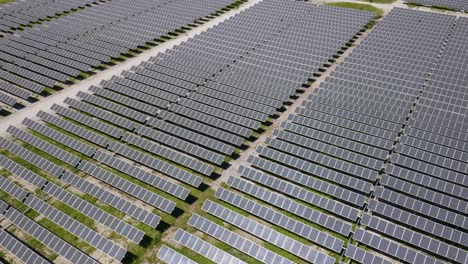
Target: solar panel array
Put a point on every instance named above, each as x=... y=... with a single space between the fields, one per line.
x=44 y=236
x=87 y=234
x=220 y=99
x=19 y=250
x=59 y=49
x=231 y=238
x=170 y=256
x=378 y=145
x=173 y=120
x=371 y=168
x=51 y=52
x=204 y=248
x=16 y=14
x=460 y=5
x=418 y=201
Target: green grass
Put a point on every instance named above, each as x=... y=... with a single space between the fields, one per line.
x=65 y=235
x=379 y=1
x=364 y=7
x=442 y=8
x=433 y=7
x=5 y=1
x=39 y=247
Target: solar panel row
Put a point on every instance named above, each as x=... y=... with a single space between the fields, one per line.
x=142 y=175
x=48 y=238
x=34 y=229
x=95 y=213
x=424 y=184
x=259 y=230
x=170 y=256
x=19 y=250
x=31 y=157
x=83 y=36
x=340 y=141
x=210 y=109
x=109 y=198
x=44 y=146
x=124 y=185
x=237 y=241
x=204 y=248
x=74 y=227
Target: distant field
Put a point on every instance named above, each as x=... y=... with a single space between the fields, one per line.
x=5 y=1
x=379 y=1
x=364 y=7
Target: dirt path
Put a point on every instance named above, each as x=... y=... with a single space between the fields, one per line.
x=57 y=98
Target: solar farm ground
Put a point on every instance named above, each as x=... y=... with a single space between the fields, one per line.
x=272 y=132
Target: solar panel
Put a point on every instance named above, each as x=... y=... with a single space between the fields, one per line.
x=73 y=226
x=88 y=121
x=362 y=256
x=45 y=146
x=128 y=187
x=13 y=190
x=168 y=154
x=111 y=199
x=22 y=252
x=292 y=190
x=145 y=90
x=95 y=213
x=418 y=222
x=74 y=129
x=97 y=112
x=315 y=169
x=157 y=164
x=218 y=113
x=113 y=107
x=183 y=145
x=281 y=220
x=290 y=205
x=14 y=90
x=276 y=238
x=22 y=172
x=59 y=137
x=4 y=98
x=421 y=207
x=200 y=127
x=387 y=246
x=425 y=194
x=210 y=120
x=326 y=149
x=32 y=86
x=204 y=248
x=47 y=238
x=134 y=93
x=121 y=99
x=142 y=175
x=413 y=238
x=31 y=157
x=170 y=256
x=236 y=241
x=307 y=181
